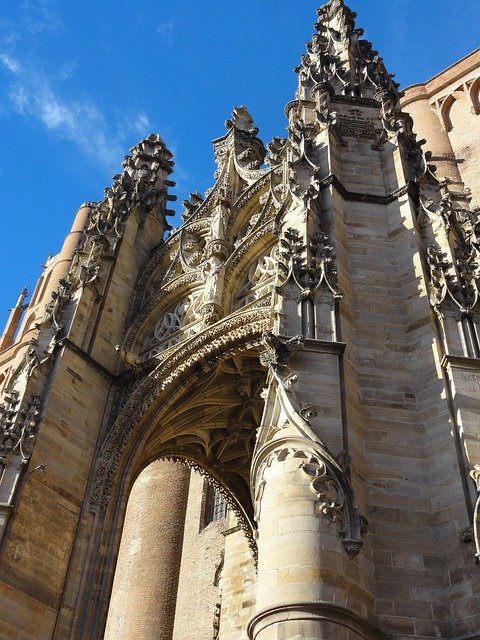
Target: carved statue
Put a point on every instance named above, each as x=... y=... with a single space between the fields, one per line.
x=219 y=222
x=212 y=271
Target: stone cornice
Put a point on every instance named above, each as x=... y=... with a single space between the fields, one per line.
x=66 y=342
x=318 y=611
x=371 y=198
x=6 y=508
x=324 y=346
x=460 y=362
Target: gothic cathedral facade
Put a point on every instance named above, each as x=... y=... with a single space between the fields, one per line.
x=264 y=424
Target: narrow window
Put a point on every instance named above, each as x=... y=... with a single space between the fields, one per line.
x=215 y=505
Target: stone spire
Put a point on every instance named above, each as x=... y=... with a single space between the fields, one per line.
x=13 y=321
x=338 y=61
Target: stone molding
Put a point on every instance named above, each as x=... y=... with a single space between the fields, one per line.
x=460 y=362
x=370 y=198
x=67 y=343
x=315 y=612
x=242 y=331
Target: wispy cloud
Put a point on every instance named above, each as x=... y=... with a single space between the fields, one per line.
x=133 y=121
x=40 y=16
x=66 y=71
x=51 y=98
x=34 y=95
x=10 y=63
x=165 y=31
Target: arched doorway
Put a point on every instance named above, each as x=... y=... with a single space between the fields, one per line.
x=185 y=569
x=207 y=424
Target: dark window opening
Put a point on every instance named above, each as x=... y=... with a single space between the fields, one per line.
x=215 y=505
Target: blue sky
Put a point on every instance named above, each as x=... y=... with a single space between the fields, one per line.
x=82 y=81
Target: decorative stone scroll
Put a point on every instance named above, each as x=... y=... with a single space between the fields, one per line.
x=329 y=483
x=333 y=505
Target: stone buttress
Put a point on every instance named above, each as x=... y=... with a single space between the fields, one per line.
x=307 y=339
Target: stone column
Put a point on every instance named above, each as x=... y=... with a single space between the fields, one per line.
x=303 y=583
x=146 y=579
x=63 y=261
x=427 y=124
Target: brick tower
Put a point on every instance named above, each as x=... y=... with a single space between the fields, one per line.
x=262 y=424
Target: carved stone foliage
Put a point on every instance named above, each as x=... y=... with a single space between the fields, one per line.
x=276 y=151
x=141 y=187
x=18 y=426
x=54 y=310
x=310 y=267
x=304 y=177
x=455 y=272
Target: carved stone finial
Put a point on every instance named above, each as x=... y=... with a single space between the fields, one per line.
x=242 y=120
x=337 y=57
x=241 y=140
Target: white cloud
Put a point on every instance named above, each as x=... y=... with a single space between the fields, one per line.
x=40 y=16
x=141 y=124
x=66 y=71
x=81 y=122
x=10 y=63
x=165 y=30
x=43 y=98
x=19 y=97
